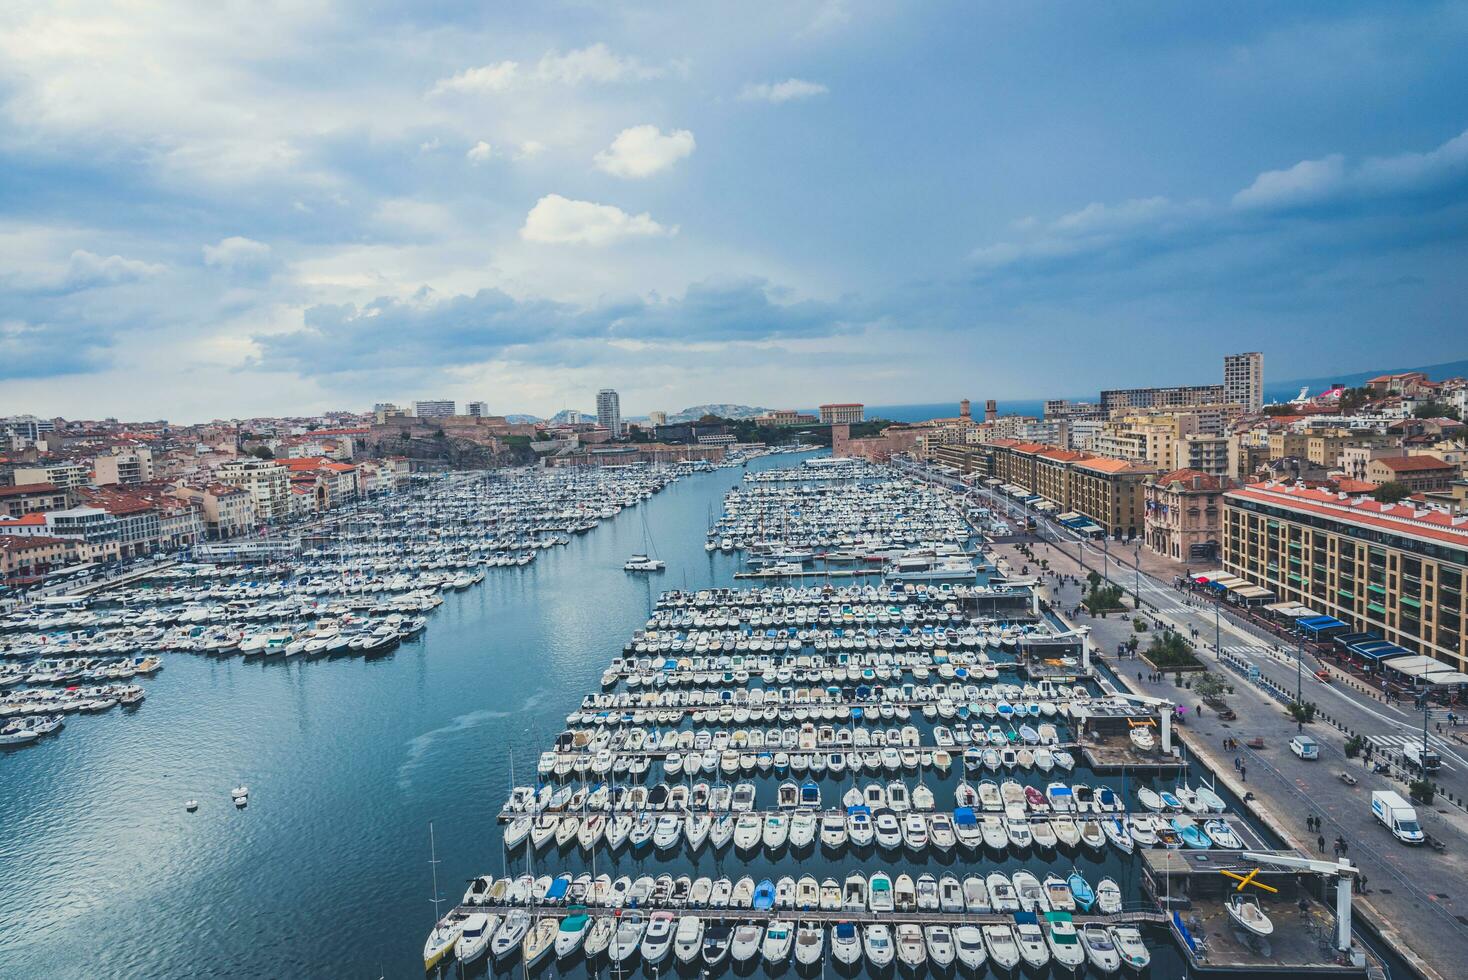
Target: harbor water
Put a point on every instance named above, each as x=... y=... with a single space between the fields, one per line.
x=326 y=873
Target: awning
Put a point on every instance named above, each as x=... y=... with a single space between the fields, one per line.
x=1428 y=670
x=1319 y=624
x=1069 y=515
x=1379 y=650
x=1046 y=506
x=1253 y=592
x=1203 y=577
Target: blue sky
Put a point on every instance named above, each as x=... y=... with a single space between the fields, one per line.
x=297 y=206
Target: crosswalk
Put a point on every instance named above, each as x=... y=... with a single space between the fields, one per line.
x=1397 y=742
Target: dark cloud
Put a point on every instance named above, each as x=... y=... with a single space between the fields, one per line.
x=429 y=330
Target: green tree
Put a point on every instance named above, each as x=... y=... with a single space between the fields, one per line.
x=1391 y=491
x=262 y=452
x=1209 y=686
x=1435 y=410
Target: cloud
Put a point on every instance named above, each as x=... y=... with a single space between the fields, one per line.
x=85 y=269
x=428 y=331
x=1307 y=182
x=596 y=64
x=1332 y=179
x=530 y=149
x=786 y=91
x=480 y=152
x=556 y=220
x=642 y=151
x=47 y=350
x=238 y=255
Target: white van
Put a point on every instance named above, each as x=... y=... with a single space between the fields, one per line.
x=1305 y=747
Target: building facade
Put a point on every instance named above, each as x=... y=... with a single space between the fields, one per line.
x=1178 y=396
x=609 y=412
x=266 y=481
x=1392 y=569
x=433 y=409
x=843 y=413
x=30 y=498
x=1184 y=516
x=477 y=409
x=1243 y=380
x=1419 y=474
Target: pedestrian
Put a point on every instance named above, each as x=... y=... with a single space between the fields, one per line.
x=1336 y=849
x=1364 y=889
x=1244 y=773
x=1320 y=843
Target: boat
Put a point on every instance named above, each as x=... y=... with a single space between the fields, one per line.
x=191 y=805
x=746 y=942
x=539 y=941
x=1108 y=897
x=507 y=938
x=1030 y=939
x=572 y=932
x=626 y=939
x=810 y=943
x=1081 y=890
x=877 y=945
x=1223 y=835
x=1100 y=947
x=912 y=951
x=688 y=939
x=1064 y=942
x=968 y=942
x=1003 y=949
x=1142 y=739
x=716 y=937
x=1190 y=833
x=642 y=563
x=658 y=939
x=443 y=938
x=845 y=944
x=779 y=937
x=1247 y=912
x=1131 y=948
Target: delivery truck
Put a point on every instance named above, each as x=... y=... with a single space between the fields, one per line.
x=1398 y=816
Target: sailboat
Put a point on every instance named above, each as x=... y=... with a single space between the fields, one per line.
x=643 y=562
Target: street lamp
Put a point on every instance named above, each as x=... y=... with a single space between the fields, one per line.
x=1299 y=678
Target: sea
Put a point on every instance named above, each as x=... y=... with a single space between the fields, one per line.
x=353 y=767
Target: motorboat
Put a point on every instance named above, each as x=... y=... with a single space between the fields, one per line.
x=912 y=951
x=810 y=943
x=1030 y=939
x=539 y=941
x=746 y=942
x=658 y=938
x=688 y=939
x=1063 y=940
x=716 y=937
x=779 y=937
x=1131 y=948
x=1247 y=912
x=1000 y=942
x=572 y=932
x=626 y=939
x=968 y=942
x=877 y=945
x=1100 y=947
x=940 y=943
x=642 y=563
x=845 y=944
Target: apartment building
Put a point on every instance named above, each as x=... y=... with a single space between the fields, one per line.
x=1393 y=569
x=266 y=481
x=1419 y=474
x=1147 y=438
x=24 y=560
x=29 y=498
x=130 y=467
x=1177 y=396
x=433 y=409
x=64 y=473
x=1243 y=380
x=226 y=511
x=609 y=412
x=1206 y=453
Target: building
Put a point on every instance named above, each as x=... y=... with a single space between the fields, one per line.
x=64 y=473
x=130 y=467
x=1061 y=408
x=1419 y=474
x=609 y=412
x=383 y=411
x=477 y=409
x=1109 y=493
x=1243 y=380
x=25 y=560
x=786 y=417
x=1179 y=396
x=656 y=419
x=1395 y=570
x=437 y=409
x=29 y=498
x=266 y=481
x=1210 y=454
x=226 y=511
x=1144 y=438
x=843 y=413
x=1184 y=515
x=892 y=440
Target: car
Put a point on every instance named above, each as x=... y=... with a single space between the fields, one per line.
x=1305 y=747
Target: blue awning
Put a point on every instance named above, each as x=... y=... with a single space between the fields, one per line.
x=1319 y=624
x=1379 y=650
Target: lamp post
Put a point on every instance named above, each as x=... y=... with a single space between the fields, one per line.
x=1137 y=576
x=1217 y=635
x=1299 y=678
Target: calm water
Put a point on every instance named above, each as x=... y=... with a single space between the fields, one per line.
x=325 y=874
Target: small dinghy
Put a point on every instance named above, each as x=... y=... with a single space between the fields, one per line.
x=1245 y=910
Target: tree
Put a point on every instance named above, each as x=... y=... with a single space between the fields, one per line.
x=1391 y=491
x=1435 y=410
x=262 y=452
x=1209 y=686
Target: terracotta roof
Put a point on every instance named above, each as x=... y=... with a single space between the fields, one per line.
x=1347 y=485
x=21 y=489
x=1191 y=479
x=29 y=520
x=1413 y=464
x=1430 y=524
x=1102 y=465
x=18 y=542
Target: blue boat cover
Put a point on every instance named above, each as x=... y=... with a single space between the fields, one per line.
x=964 y=816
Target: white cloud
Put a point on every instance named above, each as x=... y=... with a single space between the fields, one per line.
x=556 y=220
x=480 y=152
x=789 y=89
x=1306 y=182
x=642 y=151
x=530 y=149
x=89 y=269
x=238 y=254
x=428 y=146
x=594 y=64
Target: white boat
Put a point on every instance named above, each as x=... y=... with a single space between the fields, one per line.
x=443 y=938
x=1003 y=949
x=688 y=939
x=746 y=942
x=1100 y=948
x=968 y=944
x=1061 y=937
x=539 y=941
x=912 y=951
x=507 y=939
x=1246 y=911
x=642 y=563
x=1030 y=939
x=715 y=943
x=810 y=943
x=572 y=933
x=1130 y=947
x=941 y=949
x=599 y=938
x=845 y=944
x=1141 y=737
x=779 y=937
x=626 y=939
x=876 y=942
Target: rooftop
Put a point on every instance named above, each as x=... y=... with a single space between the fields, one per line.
x=1427 y=523
x=1413 y=464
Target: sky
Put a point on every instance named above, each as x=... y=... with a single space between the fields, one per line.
x=228 y=210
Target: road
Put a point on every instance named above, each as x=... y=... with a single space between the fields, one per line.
x=1414 y=891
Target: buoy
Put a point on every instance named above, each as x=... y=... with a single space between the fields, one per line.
x=191 y=805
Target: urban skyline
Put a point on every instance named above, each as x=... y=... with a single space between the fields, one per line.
x=531 y=208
